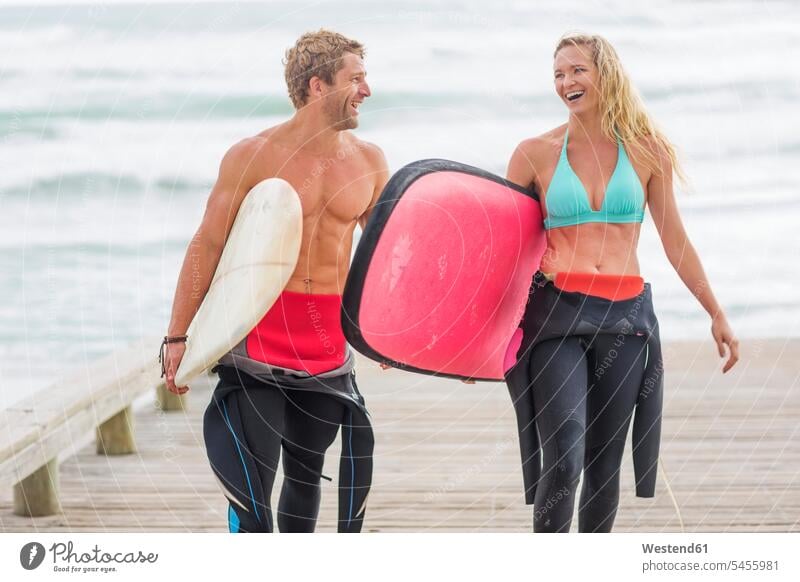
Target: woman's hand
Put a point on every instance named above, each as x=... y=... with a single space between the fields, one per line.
x=723 y=335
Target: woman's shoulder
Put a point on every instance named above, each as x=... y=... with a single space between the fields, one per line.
x=652 y=145
x=656 y=153
x=543 y=145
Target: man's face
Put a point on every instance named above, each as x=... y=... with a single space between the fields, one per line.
x=344 y=97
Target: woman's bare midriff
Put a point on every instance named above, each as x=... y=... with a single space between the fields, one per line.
x=593 y=247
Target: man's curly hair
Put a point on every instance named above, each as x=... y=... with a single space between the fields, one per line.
x=316 y=54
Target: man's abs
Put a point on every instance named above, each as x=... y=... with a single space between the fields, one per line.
x=335 y=191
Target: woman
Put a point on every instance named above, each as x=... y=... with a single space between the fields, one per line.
x=590 y=356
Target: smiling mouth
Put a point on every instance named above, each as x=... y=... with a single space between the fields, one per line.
x=573 y=96
x=354 y=106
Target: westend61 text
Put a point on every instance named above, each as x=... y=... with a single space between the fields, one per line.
x=673 y=549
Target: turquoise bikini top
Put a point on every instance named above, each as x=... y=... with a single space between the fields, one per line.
x=568 y=203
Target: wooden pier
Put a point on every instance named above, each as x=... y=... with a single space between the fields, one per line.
x=446 y=457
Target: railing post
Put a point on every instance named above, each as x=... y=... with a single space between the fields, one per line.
x=37 y=494
x=115 y=436
x=166 y=400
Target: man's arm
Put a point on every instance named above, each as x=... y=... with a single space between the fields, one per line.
x=381 y=173
x=202 y=256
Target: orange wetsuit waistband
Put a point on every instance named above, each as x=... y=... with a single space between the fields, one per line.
x=606 y=285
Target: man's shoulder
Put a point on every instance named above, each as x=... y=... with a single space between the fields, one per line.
x=246 y=149
x=371 y=152
x=247 y=160
x=260 y=142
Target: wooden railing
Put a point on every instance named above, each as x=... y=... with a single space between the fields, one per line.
x=37 y=431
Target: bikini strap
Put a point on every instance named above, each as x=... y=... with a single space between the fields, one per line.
x=620 y=147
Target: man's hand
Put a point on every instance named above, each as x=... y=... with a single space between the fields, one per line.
x=173 y=354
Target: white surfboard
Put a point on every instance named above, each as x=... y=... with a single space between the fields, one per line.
x=258 y=259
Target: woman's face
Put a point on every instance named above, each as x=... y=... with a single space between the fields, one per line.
x=576 y=79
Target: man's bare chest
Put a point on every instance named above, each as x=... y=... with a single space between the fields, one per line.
x=341 y=188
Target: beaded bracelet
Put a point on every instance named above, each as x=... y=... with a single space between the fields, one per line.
x=174 y=339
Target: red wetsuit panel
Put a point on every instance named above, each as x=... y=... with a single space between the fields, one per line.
x=300 y=332
x=608 y=286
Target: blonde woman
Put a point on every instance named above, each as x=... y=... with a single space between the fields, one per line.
x=590 y=359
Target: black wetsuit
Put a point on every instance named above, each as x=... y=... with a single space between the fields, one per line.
x=252 y=418
x=587 y=365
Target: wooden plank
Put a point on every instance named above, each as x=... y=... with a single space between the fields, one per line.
x=119 y=377
x=447 y=458
x=43 y=426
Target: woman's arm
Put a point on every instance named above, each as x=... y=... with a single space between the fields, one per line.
x=521 y=169
x=684 y=258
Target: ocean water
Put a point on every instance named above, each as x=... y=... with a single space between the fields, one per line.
x=113 y=119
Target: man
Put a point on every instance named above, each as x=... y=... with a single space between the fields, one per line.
x=289 y=385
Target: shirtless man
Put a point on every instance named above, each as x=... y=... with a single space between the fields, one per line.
x=289 y=385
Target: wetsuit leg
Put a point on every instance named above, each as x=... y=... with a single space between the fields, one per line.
x=618 y=367
x=559 y=372
x=262 y=414
x=312 y=422
x=355 y=469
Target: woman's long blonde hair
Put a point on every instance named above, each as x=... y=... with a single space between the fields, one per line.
x=622 y=110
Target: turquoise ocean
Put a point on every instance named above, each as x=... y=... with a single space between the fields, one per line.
x=113 y=119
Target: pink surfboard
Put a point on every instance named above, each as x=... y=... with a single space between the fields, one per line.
x=440 y=279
